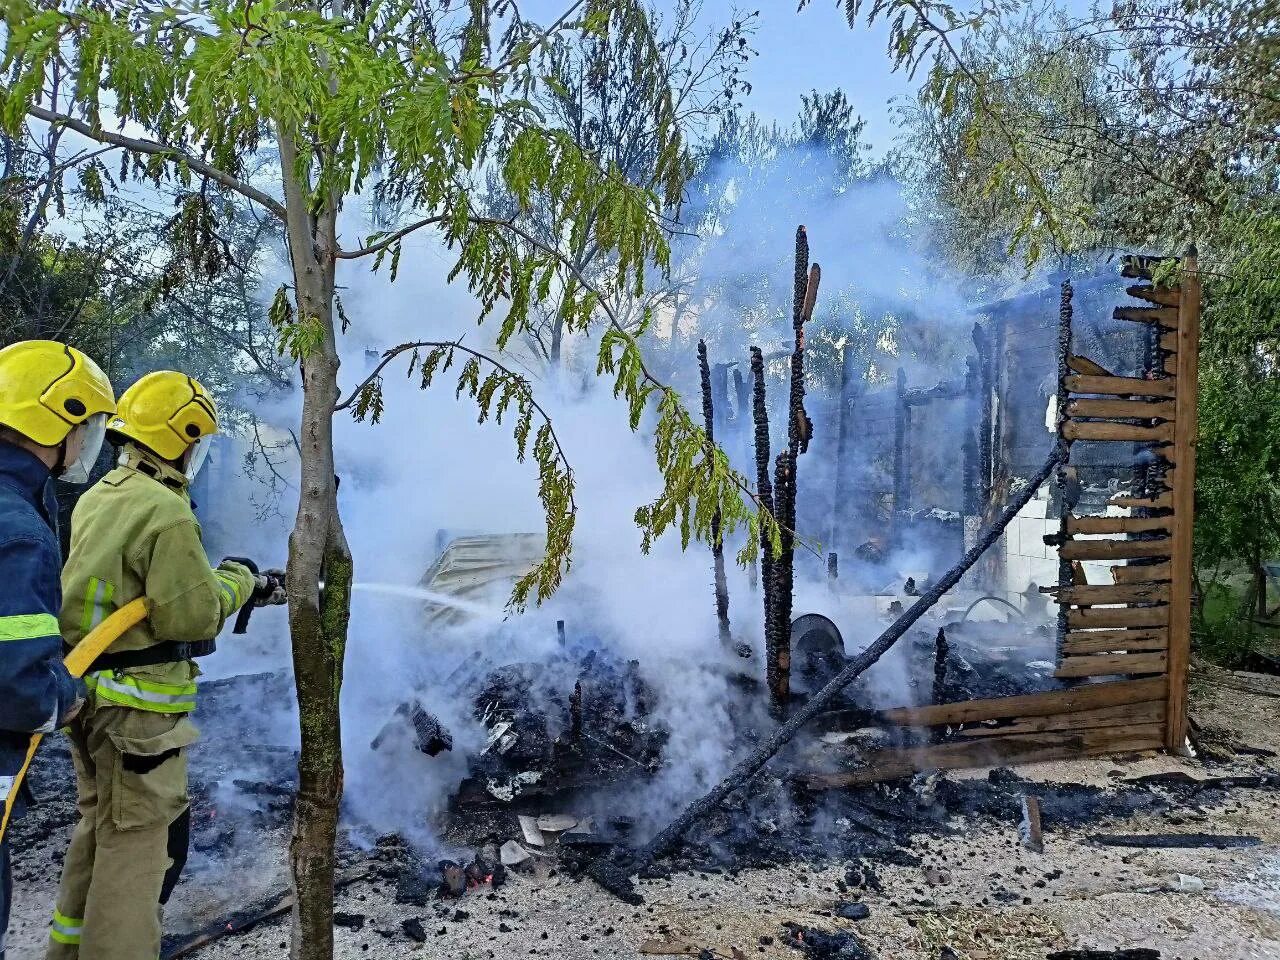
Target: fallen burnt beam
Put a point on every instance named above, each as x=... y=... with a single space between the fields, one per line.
x=615 y=875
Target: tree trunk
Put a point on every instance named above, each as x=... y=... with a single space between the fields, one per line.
x=319 y=578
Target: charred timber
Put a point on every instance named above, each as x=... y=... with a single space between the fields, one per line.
x=615 y=874
x=984 y=420
x=1066 y=576
x=842 y=445
x=970 y=441
x=717 y=545
x=901 y=421
x=778 y=638
x=764 y=486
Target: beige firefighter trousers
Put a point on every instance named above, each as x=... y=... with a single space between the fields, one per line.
x=131 y=840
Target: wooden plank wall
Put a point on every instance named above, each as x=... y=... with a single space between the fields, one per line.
x=1124 y=645
x=1139 y=624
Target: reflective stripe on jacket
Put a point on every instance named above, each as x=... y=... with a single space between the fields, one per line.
x=133 y=534
x=35 y=689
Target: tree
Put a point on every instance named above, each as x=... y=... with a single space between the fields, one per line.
x=594 y=96
x=424 y=98
x=1149 y=126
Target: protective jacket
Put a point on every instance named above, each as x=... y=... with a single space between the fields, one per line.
x=133 y=534
x=35 y=689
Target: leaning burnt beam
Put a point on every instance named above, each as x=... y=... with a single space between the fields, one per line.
x=717 y=545
x=764 y=486
x=615 y=875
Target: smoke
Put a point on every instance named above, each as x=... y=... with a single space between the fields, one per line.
x=428 y=473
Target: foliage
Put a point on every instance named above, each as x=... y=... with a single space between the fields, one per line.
x=1144 y=126
x=420 y=102
x=598 y=100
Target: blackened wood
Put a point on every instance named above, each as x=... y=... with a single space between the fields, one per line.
x=1048 y=703
x=993 y=751
x=764 y=486
x=750 y=765
x=717 y=546
x=847 y=400
x=1068 y=483
x=901 y=416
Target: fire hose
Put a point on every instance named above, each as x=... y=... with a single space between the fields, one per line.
x=82 y=655
x=614 y=873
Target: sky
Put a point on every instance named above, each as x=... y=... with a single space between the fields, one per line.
x=817 y=50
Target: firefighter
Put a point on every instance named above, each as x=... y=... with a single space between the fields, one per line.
x=133 y=534
x=54 y=404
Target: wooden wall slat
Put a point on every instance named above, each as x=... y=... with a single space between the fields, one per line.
x=1149 y=711
x=1120 y=432
x=1025 y=705
x=1121 y=409
x=1116 y=549
x=1140 y=573
x=1111 y=641
x=1095 y=525
x=1108 y=664
x=1108 y=593
x=1016 y=748
x=1165 y=316
x=1120 y=386
x=1118 y=617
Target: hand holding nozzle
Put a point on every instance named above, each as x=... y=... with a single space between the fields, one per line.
x=268 y=590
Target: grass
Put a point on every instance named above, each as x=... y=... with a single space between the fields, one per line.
x=1225 y=631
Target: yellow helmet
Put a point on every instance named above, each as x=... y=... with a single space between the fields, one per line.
x=48 y=388
x=167 y=412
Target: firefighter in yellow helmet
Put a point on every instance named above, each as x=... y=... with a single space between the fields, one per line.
x=134 y=535
x=54 y=404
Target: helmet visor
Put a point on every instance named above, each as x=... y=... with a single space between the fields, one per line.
x=95 y=429
x=199 y=453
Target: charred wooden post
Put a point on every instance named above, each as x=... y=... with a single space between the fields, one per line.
x=941 y=650
x=902 y=414
x=971 y=466
x=575 y=713
x=720 y=395
x=799 y=432
x=778 y=640
x=1065 y=571
x=842 y=447
x=833 y=566
x=560 y=632
x=717 y=546
x=986 y=386
x=764 y=486
x=615 y=875
x=742 y=416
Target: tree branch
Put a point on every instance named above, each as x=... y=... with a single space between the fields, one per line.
x=151 y=147
x=451 y=345
x=390 y=239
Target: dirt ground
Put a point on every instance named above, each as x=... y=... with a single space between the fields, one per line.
x=977 y=892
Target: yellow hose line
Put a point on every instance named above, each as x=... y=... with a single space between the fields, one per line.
x=82 y=655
